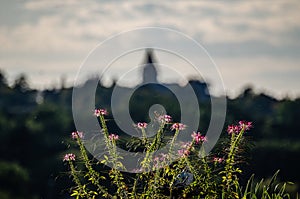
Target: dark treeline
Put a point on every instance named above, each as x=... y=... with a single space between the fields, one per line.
x=35 y=131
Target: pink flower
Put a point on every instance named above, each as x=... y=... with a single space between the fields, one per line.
x=138 y=170
x=187 y=145
x=233 y=129
x=246 y=125
x=156 y=159
x=142 y=125
x=99 y=112
x=198 y=137
x=77 y=134
x=164 y=118
x=167 y=118
x=183 y=152
x=163 y=157
x=69 y=157
x=218 y=160
x=237 y=128
x=186 y=148
x=113 y=137
x=178 y=126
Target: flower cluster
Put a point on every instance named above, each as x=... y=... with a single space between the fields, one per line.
x=183 y=152
x=164 y=118
x=167 y=118
x=69 y=157
x=178 y=126
x=233 y=129
x=159 y=159
x=237 y=128
x=246 y=125
x=138 y=170
x=218 y=159
x=198 y=138
x=142 y=125
x=113 y=137
x=99 y=112
x=192 y=174
x=186 y=149
x=76 y=135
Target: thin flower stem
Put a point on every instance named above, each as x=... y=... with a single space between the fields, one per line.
x=152 y=148
x=73 y=172
x=81 y=188
x=115 y=174
x=172 y=143
x=230 y=178
x=93 y=176
x=144 y=136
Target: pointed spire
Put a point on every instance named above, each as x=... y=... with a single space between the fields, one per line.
x=149 y=56
x=150 y=72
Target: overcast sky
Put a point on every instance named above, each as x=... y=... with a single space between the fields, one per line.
x=252 y=42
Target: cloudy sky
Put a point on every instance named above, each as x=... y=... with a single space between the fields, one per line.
x=251 y=42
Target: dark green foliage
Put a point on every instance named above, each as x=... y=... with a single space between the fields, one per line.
x=34 y=126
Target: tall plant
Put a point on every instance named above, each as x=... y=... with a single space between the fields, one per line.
x=193 y=175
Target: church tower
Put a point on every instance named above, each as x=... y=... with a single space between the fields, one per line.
x=149 y=72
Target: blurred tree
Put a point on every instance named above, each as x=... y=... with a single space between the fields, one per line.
x=13 y=177
x=21 y=83
x=31 y=134
x=3 y=80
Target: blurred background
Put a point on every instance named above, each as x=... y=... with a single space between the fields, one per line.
x=256 y=46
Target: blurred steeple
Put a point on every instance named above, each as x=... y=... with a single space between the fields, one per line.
x=150 y=72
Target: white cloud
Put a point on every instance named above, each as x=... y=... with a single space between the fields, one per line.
x=71 y=24
x=74 y=27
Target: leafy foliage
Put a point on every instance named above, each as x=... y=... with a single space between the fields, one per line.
x=34 y=128
x=193 y=175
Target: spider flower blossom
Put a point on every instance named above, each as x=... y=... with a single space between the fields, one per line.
x=156 y=162
x=164 y=118
x=183 y=152
x=178 y=126
x=77 y=134
x=187 y=145
x=237 y=128
x=69 y=157
x=246 y=125
x=198 y=137
x=163 y=157
x=142 y=125
x=218 y=160
x=160 y=160
x=233 y=129
x=167 y=118
x=99 y=112
x=113 y=137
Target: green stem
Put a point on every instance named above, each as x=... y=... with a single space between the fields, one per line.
x=229 y=177
x=75 y=177
x=172 y=143
x=81 y=189
x=118 y=178
x=144 y=136
x=152 y=148
x=93 y=176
